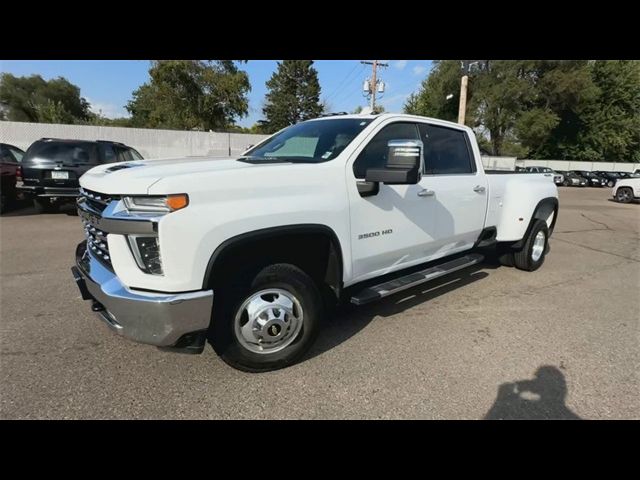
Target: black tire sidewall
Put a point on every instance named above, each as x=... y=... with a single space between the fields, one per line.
x=281 y=276
x=523 y=260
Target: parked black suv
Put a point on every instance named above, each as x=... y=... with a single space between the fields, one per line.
x=51 y=167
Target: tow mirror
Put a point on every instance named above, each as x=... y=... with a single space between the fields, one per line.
x=404 y=164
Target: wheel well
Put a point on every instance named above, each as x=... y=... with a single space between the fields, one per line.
x=313 y=249
x=543 y=211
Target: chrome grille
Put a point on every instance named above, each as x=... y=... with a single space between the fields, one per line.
x=97 y=201
x=97 y=243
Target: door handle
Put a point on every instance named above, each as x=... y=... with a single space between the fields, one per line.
x=426 y=193
x=479 y=189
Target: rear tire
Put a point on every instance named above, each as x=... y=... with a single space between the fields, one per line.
x=624 y=195
x=531 y=257
x=44 y=205
x=269 y=325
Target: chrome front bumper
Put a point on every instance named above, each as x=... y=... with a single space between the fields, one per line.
x=159 y=319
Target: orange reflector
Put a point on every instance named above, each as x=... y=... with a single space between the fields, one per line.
x=176 y=202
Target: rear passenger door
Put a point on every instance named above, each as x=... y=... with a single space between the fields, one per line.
x=460 y=193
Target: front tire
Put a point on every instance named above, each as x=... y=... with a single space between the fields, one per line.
x=269 y=325
x=531 y=257
x=624 y=195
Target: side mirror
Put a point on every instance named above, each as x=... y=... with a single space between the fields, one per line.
x=404 y=164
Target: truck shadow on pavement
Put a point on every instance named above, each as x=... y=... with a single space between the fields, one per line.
x=349 y=320
x=539 y=399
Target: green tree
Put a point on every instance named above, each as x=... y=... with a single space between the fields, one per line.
x=33 y=99
x=191 y=95
x=612 y=120
x=431 y=99
x=294 y=93
x=524 y=108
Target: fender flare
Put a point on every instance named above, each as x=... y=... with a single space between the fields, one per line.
x=541 y=212
x=253 y=235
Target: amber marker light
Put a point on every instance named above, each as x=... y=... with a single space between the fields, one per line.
x=176 y=202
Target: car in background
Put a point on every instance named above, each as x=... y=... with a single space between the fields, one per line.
x=612 y=177
x=626 y=190
x=558 y=178
x=51 y=168
x=593 y=180
x=572 y=179
x=10 y=158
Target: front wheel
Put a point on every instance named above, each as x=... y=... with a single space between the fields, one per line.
x=565 y=183
x=531 y=257
x=271 y=324
x=624 y=195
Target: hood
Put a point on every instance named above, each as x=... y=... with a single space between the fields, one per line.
x=137 y=177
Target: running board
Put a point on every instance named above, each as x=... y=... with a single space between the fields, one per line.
x=390 y=287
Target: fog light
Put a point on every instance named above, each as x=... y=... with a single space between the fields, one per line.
x=146 y=251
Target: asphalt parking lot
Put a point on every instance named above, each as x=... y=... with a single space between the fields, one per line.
x=487 y=342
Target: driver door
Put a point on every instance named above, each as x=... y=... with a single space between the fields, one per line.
x=395 y=227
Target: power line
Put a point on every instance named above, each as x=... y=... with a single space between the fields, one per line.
x=344 y=80
x=341 y=95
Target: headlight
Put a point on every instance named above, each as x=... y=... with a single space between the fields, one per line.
x=164 y=203
x=146 y=251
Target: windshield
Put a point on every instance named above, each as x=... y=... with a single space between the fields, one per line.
x=312 y=141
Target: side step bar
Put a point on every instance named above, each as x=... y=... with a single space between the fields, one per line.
x=390 y=287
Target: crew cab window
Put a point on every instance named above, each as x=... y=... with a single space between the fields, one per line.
x=446 y=150
x=374 y=154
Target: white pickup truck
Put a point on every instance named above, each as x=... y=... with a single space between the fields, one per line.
x=248 y=252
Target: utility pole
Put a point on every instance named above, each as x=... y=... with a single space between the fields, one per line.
x=373 y=83
x=462 y=106
x=468 y=66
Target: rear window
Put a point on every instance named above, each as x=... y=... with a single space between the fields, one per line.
x=446 y=150
x=68 y=153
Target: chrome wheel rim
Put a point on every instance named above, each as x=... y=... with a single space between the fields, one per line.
x=268 y=321
x=538 y=246
x=624 y=194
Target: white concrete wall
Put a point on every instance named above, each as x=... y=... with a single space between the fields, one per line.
x=509 y=163
x=577 y=165
x=150 y=143
x=499 y=163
